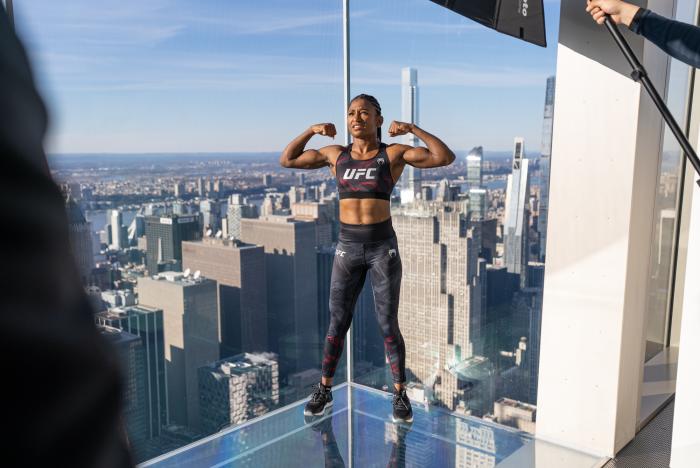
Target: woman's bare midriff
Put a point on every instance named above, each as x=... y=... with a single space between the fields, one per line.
x=364 y=210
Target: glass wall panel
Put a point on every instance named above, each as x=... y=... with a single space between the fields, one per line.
x=472 y=235
x=207 y=262
x=666 y=209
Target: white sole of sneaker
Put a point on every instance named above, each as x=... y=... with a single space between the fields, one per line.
x=410 y=420
x=309 y=413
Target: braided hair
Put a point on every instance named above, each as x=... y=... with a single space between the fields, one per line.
x=372 y=100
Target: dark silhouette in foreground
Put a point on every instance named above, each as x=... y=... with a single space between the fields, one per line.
x=62 y=393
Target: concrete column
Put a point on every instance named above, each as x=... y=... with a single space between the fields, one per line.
x=605 y=154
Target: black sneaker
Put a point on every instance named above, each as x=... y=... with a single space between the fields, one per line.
x=321 y=399
x=402 y=407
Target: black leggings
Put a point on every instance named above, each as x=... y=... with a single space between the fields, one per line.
x=363 y=248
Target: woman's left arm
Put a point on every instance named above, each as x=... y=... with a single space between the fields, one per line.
x=435 y=155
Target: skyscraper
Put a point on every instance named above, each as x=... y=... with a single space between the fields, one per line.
x=147 y=323
x=444 y=193
x=296 y=194
x=118 y=230
x=515 y=228
x=164 y=236
x=191 y=336
x=440 y=310
x=477 y=194
x=474 y=167
x=201 y=189
x=275 y=204
x=237 y=210
x=535 y=334
x=179 y=189
x=477 y=203
x=80 y=234
x=545 y=164
x=236 y=389
x=475 y=446
x=323 y=215
x=130 y=350
x=239 y=270
x=410 y=182
x=137 y=229
x=290 y=264
x=211 y=215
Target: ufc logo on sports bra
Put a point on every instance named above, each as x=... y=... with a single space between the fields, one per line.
x=357 y=173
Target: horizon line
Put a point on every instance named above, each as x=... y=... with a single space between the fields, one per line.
x=206 y=153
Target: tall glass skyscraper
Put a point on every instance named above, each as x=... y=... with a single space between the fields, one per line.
x=410 y=183
x=545 y=164
x=477 y=194
x=80 y=234
x=516 y=223
x=475 y=160
x=147 y=323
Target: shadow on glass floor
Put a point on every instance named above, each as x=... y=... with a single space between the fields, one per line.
x=436 y=438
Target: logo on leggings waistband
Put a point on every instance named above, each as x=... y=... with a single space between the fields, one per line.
x=339 y=253
x=392 y=253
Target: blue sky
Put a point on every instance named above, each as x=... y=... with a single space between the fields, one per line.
x=249 y=75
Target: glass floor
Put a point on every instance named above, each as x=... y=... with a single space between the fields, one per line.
x=358 y=432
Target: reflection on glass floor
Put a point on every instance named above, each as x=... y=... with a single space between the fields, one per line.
x=436 y=438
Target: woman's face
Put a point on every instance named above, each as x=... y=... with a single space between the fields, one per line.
x=363 y=119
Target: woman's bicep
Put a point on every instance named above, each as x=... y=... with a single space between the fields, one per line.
x=309 y=159
x=418 y=157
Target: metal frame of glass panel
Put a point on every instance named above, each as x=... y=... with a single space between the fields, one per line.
x=673 y=280
x=672 y=256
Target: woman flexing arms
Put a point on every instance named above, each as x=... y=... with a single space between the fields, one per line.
x=366 y=172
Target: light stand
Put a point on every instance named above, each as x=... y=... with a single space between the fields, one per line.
x=639 y=74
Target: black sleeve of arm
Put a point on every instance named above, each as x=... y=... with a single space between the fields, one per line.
x=680 y=40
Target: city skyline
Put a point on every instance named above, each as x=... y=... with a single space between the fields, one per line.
x=219 y=245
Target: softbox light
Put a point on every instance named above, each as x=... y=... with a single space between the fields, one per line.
x=523 y=19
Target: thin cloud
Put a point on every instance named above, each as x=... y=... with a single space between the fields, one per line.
x=374 y=73
x=293 y=23
x=256 y=82
x=426 y=27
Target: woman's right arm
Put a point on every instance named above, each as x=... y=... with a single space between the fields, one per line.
x=294 y=155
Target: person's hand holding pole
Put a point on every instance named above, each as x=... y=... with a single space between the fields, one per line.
x=680 y=40
x=619 y=11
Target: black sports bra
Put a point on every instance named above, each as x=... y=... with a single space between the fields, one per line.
x=368 y=178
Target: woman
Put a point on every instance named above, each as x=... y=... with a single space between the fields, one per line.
x=366 y=172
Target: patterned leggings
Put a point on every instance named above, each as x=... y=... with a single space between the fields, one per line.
x=352 y=262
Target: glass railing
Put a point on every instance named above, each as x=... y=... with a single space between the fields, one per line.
x=206 y=262
x=358 y=432
x=209 y=265
x=472 y=235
